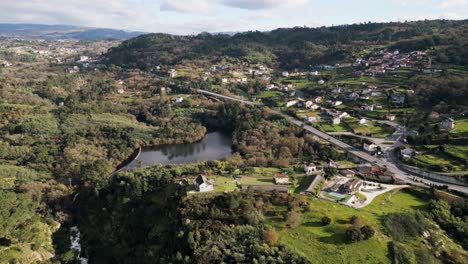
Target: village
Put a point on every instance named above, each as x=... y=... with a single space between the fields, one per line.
x=352 y=187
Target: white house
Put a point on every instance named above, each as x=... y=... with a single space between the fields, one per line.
x=270 y=86
x=362 y=121
x=172 y=73
x=318 y=99
x=321 y=82
x=224 y=80
x=244 y=79
x=291 y=103
x=202 y=184
x=336 y=120
x=312 y=118
x=84 y=58
x=314 y=73
x=367 y=108
x=337 y=103
x=343 y=115
x=391 y=117
x=120 y=91
x=179 y=99
x=281 y=178
x=447 y=124
x=310 y=168
x=370 y=147
x=285 y=74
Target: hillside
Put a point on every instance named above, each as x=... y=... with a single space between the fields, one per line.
x=298 y=48
x=63 y=32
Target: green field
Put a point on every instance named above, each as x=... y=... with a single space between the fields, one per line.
x=223 y=183
x=332 y=128
x=458 y=151
x=461 y=126
x=326 y=244
x=369 y=128
x=266 y=94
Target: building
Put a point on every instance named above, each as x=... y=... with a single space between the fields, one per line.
x=362 y=121
x=348 y=173
x=318 y=99
x=367 y=108
x=370 y=147
x=172 y=73
x=310 y=168
x=179 y=99
x=120 y=91
x=314 y=73
x=314 y=185
x=391 y=117
x=291 y=103
x=224 y=80
x=202 y=184
x=337 y=103
x=351 y=186
x=312 y=118
x=447 y=124
x=407 y=153
x=336 y=120
x=434 y=115
x=285 y=74
x=397 y=98
x=321 y=82
x=281 y=178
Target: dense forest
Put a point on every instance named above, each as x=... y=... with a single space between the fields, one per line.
x=297 y=48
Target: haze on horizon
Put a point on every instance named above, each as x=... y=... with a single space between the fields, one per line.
x=188 y=17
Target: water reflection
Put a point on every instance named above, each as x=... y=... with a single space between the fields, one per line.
x=215 y=145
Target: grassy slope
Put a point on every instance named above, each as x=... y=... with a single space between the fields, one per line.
x=326 y=244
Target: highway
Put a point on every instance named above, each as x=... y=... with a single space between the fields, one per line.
x=388 y=163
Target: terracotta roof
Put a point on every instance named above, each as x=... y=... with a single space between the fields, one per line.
x=281 y=175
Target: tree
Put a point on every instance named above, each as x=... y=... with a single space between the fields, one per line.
x=293 y=219
x=367 y=232
x=353 y=234
x=326 y=220
x=270 y=236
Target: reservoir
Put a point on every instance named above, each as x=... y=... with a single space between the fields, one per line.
x=214 y=146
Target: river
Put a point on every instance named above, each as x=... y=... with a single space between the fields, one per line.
x=214 y=146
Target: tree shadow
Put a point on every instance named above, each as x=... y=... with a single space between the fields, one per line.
x=265 y=180
x=313 y=224
x=335 y=239
x=342 y=222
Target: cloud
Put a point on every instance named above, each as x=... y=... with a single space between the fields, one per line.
x=453 y=3
x=186 y=6
x=263 y=4
x=190 y=6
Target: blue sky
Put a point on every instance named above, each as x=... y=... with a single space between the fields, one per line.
x=194 y=16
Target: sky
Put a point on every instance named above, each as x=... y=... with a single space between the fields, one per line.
x=195 y=16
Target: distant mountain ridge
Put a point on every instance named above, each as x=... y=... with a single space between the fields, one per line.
x=63 y=32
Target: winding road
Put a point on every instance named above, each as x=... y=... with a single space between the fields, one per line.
x=382 y=162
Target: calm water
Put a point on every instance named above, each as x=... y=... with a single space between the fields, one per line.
x=213 y=146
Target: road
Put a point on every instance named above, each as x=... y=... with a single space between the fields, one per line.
x=385 y=162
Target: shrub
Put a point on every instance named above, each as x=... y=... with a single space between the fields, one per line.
x=367 y=232
x=353 y=234
x=326 y=220
x=271 y=237
x=293 y=219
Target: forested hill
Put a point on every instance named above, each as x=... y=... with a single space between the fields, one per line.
x=298 y=47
